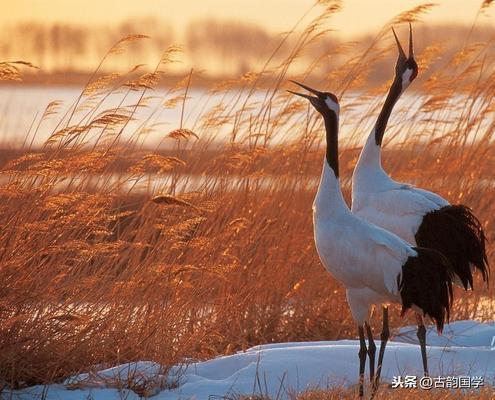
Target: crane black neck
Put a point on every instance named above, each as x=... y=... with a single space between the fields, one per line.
x=332 y=131
x=382 y=120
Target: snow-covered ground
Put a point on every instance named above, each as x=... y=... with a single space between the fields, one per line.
x=467 y=348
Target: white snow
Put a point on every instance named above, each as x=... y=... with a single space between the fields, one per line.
x=466 y=348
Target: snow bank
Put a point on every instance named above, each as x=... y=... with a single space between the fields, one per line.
x=466 y=348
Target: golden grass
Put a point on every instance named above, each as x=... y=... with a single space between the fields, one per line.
x=404 y=394
x=12 y=70
x=100 y=275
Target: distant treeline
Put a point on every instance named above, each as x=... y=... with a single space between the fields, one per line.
x=221 y=48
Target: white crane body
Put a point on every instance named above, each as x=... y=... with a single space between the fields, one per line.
x=395 y=206
x=418 y=216
x=367 y=259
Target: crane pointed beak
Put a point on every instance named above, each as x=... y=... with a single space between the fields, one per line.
x=411 y=47
x=309 y=89
x=402 y=54
x=306 y=96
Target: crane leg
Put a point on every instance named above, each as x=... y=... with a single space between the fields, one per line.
x=362 y=360
x=384 y=338
x=421 y=333
x=371 y=351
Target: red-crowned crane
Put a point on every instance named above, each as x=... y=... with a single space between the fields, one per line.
x=375 y=266
x=418 y=216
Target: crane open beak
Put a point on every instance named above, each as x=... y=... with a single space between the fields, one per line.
x=318 y=94
x=402 y=53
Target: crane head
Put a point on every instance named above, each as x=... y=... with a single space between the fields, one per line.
x=324 y=102
x=406 y=68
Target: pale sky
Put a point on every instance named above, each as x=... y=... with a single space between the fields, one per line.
x=358 y=16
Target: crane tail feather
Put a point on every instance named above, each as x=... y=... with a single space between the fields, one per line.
x=426 y=283
x=456 y=232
